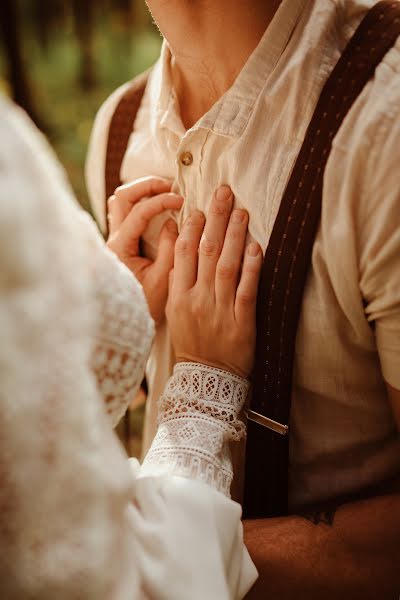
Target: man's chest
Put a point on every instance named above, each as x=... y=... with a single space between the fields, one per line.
x=257 y=165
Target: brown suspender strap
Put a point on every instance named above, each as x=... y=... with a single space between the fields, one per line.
x=121 y=127
x=287 y=262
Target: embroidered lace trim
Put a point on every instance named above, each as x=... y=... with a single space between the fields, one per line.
x=198 y=416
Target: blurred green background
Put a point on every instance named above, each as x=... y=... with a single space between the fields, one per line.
x=60 y=59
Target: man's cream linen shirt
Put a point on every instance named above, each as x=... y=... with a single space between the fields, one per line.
x=343 y=435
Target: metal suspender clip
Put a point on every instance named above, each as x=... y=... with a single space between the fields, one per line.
x=266 y=422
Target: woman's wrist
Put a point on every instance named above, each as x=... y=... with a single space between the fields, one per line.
x=211 y=359
x=197 y=389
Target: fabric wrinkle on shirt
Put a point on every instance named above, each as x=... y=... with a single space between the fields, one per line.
x=343 y=433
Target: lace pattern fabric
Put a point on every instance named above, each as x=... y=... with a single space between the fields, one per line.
x=123 y=337
x=198 y=416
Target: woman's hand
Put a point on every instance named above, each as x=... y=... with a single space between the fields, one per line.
x=211 y=307
x=130 y=211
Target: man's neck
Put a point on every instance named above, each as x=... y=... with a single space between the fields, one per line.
x=210 y=41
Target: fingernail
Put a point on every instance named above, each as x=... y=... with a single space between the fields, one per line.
x=253 y=249
x=223 y=193
x=238 y=216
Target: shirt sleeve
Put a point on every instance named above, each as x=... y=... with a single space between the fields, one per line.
x=379 y=238
x=198 y=417
x=360 y=218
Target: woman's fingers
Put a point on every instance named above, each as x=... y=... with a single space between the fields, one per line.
x=166 y=247
x=113 y=215
x=186 y=253
x=230 y=260
x=126 y=196
x=246 y=294
x=140 y=216
x=214 y=234
x=162 y=266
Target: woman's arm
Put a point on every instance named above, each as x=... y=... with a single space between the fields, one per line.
x=211 y=313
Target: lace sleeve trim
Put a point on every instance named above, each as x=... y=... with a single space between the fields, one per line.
x=198 y=416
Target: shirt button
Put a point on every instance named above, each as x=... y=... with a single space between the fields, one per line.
x=186 y=158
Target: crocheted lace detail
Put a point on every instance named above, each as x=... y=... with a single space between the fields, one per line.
x=198 y=416
x=124 y=336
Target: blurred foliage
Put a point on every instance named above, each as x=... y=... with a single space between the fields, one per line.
x=73 y=55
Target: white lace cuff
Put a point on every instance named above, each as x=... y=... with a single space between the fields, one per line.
x=198 y=416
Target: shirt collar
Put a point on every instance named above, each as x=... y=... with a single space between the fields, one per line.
x=230 y=114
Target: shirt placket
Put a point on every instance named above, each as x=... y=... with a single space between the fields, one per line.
x=188 y=169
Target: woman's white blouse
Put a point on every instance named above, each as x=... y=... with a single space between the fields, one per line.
x=77 y=519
